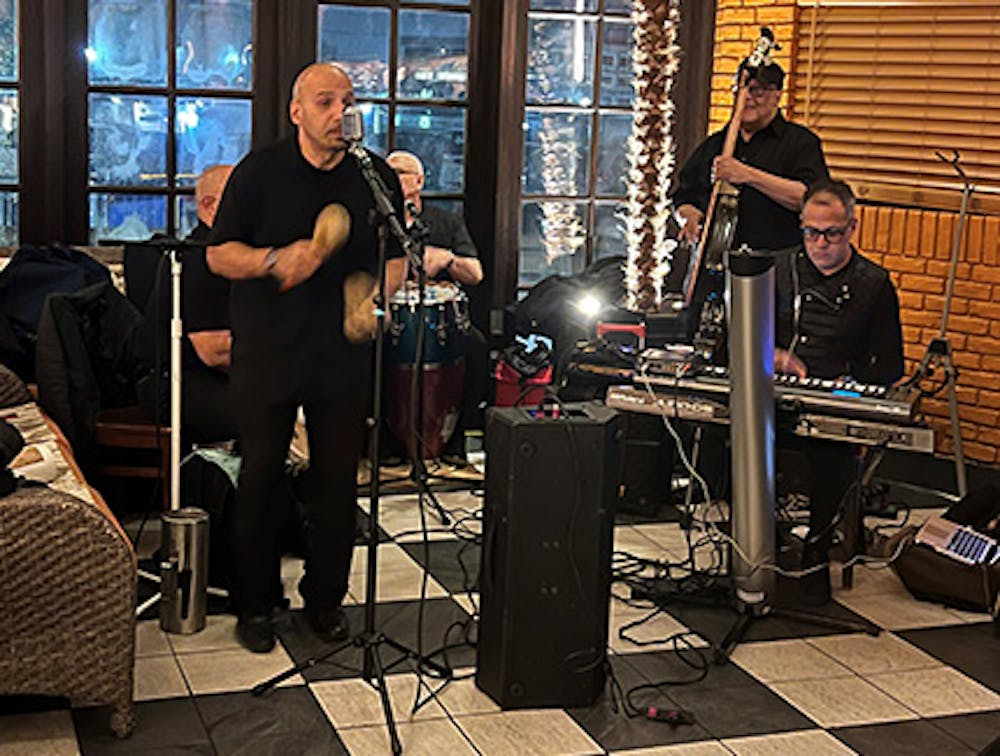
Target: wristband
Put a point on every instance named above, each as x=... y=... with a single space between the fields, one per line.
x=270 y=259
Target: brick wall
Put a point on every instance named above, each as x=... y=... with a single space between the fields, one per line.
x=914 y=245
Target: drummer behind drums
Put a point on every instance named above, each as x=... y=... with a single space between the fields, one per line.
x=449 y=255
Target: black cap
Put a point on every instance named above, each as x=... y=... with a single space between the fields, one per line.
x=769 y=75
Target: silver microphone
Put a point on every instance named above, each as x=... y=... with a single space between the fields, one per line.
x=352 y=124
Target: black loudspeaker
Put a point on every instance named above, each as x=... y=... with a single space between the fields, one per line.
x=546 y=565
x=646 y=464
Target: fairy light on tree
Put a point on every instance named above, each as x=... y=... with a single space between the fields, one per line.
x=655 y=62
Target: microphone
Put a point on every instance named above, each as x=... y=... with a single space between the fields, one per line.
x=352 y=124
x=411 y=208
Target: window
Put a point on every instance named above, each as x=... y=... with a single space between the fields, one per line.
x=165 y=101
x=577 y=121
x=413 y=95
x=9 y=135
x=887 y=87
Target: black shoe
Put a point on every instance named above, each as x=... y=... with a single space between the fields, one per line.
x=255 y=633
x=329 y=624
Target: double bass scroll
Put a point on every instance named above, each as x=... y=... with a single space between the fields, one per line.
x=719 y=227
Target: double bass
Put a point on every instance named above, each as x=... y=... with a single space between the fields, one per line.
x=719 y=227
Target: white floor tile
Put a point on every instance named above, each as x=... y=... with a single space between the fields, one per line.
x=46 y=733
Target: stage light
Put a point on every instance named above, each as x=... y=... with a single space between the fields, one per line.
x=589 y=305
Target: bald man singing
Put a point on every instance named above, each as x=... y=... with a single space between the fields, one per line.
x=290 y=349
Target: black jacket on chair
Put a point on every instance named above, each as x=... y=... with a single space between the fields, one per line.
x=85 y=360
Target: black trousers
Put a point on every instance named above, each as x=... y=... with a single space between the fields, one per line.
x=827 y=471
x=208 y=412
x=335 y=427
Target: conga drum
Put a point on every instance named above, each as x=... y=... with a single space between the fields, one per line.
x=446 y=324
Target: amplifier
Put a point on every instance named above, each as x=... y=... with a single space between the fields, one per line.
x=546 y=565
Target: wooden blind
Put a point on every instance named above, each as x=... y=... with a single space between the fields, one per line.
x=887 y=86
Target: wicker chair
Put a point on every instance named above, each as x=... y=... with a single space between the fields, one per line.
x=67 y=600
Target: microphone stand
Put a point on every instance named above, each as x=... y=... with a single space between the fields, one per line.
x=419 y=470
x=370 y=640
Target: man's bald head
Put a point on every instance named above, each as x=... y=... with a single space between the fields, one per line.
x=403 y=161
x=411 y=174
x=318 y=72
x=208 y=191
x=319 y=96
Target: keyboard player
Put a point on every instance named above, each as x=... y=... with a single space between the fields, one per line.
x=837 y=314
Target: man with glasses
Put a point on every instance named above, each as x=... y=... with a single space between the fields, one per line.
x=773 y=163
x=837 y=314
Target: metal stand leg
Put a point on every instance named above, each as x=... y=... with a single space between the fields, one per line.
x=938 y=355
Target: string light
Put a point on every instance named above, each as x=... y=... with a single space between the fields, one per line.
x=650 y=152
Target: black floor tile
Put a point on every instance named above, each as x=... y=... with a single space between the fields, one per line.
x=742 y=710
x=332 y=661
x=727 y=702
x=691 y=667
x=454 y=564
x=397 y=621
x=607 y=722
x=971 y=649
x=31 y=704
x=162 y=727
x=286 y=720
x=977 y=730
x=714 y=622
x=901 y=739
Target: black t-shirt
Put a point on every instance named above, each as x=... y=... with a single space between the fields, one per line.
x=448 y=231
x=848 y=322
x=781 y=148
x=272 y=199
x=204 y=297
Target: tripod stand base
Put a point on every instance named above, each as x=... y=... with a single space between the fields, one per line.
x=751 y=612
x=373 y=671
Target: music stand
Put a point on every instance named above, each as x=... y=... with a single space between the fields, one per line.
x=370 y=639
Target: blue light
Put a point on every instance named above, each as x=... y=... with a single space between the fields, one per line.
x=90 y=54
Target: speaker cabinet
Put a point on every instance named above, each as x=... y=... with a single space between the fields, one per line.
x=546 y=565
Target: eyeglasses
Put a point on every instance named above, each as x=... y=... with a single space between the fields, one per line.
x=757 y=90
x=832 y=235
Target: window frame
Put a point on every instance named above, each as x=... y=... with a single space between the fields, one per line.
x=173 y=191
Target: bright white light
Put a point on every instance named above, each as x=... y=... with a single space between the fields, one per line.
x=90 y=54
x=589 y=305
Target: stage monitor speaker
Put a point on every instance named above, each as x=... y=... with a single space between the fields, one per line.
x=546 y=566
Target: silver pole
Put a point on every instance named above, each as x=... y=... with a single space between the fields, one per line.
x=750 y=312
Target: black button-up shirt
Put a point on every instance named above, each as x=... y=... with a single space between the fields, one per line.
x=781 y=148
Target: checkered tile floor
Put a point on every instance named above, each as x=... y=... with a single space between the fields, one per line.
x=929 y=684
